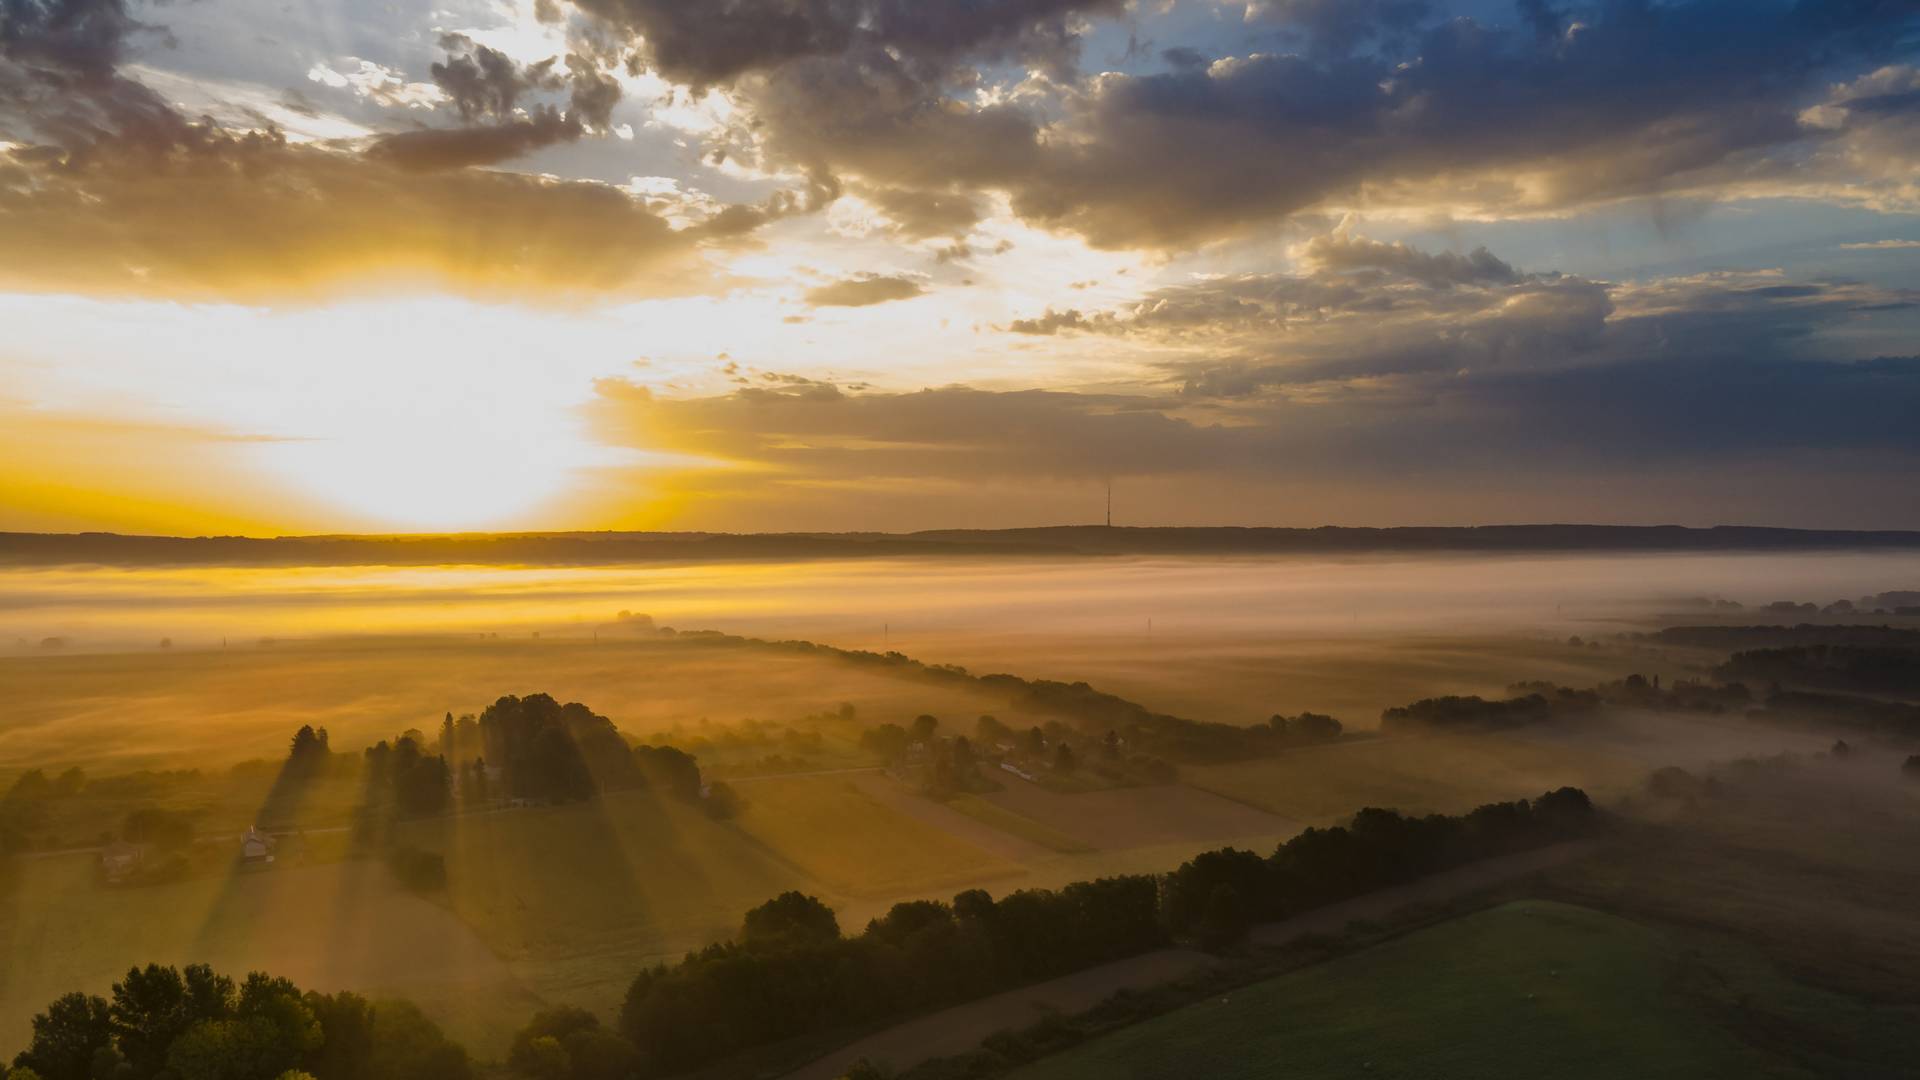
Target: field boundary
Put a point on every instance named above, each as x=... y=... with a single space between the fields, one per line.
x=961 y=1028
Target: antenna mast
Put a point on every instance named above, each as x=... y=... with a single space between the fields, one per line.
x=1109 y=504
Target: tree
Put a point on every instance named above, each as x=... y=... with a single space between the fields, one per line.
x=568 y=1043
x=480 y=796
x=66 y=1037
x=346 y=1027
x=309 y=747
x=548 y=1026
x=990 y=730
x=1314 y=725
x=1225 y=921
x=887 y=741
x=164 y=829
x=922 y=728
x=1912 y=767
x=790 y=920
x=150 y=1010
x=723 y=801
x=31 y=786
x=1063 y=759
x=408 y=1046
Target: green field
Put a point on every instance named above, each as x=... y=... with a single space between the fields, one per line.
x=1530 y=989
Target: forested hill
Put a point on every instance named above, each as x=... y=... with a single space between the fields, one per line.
x=607 y=548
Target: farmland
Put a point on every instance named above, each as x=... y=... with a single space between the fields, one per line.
x=1530 y=988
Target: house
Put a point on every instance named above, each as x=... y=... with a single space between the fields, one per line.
x=120 y=861
x=256 y=847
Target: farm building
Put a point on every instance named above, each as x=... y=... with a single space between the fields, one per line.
x=256 y=846
x=121 y=860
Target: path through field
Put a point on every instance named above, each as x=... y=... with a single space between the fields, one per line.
x=959 y=1029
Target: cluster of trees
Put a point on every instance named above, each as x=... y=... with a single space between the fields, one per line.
x=942 y=766
x=404 y=777
x=1472 y=711
x=24 y=807
x=1093 y=713
x=1214 y=897
x=1870 y=716
x=564 y=753
x=1860 y=669
x=945 y=766
x=1762 y=637
x=163 y=1023
x=792 y=972
x=1536 y=702
x=167 y=830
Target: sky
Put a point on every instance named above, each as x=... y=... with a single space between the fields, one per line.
x=293 y=266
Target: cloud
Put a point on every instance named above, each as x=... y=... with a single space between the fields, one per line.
x=708 y=44
x=1342 y=251
x=1389 y=315
x=436 y=149
x=865 y=291
x=1882 y=245
x=1665 y=437
x=1389 y=105
x=1336 y=27
x=109 y=191
x=922 y=215
x=486 y=88
x=1051 y=323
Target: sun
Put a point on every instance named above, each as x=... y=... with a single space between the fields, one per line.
x=432 y=479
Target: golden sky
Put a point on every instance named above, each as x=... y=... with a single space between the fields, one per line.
x=882 y=264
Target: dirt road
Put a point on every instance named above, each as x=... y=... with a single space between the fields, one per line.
x=959 y=1029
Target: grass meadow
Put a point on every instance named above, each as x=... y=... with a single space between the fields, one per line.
x=1528 y=989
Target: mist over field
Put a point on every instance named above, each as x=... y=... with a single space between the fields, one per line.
x=375 y=650
x=939 y=540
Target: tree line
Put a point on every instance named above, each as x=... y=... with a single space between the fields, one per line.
x=792 y=972
x=192 y=1023
x=1092 y=711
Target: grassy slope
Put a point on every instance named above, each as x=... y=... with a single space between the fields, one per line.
x=838 y=834
x=1530 y=989
x=1423 y=774
x=342 y=925
x=205 y=709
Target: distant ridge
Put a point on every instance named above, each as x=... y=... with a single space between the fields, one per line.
x=612 y=548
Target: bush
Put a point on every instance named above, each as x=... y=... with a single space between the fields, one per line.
x=418 y=869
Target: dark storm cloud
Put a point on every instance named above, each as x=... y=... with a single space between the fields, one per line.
x=716 y=42
x=1639 y=99
x=1336 y=27
x=1389 y=102
x=486 y=84
x=60 y=80
x=865 y=291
